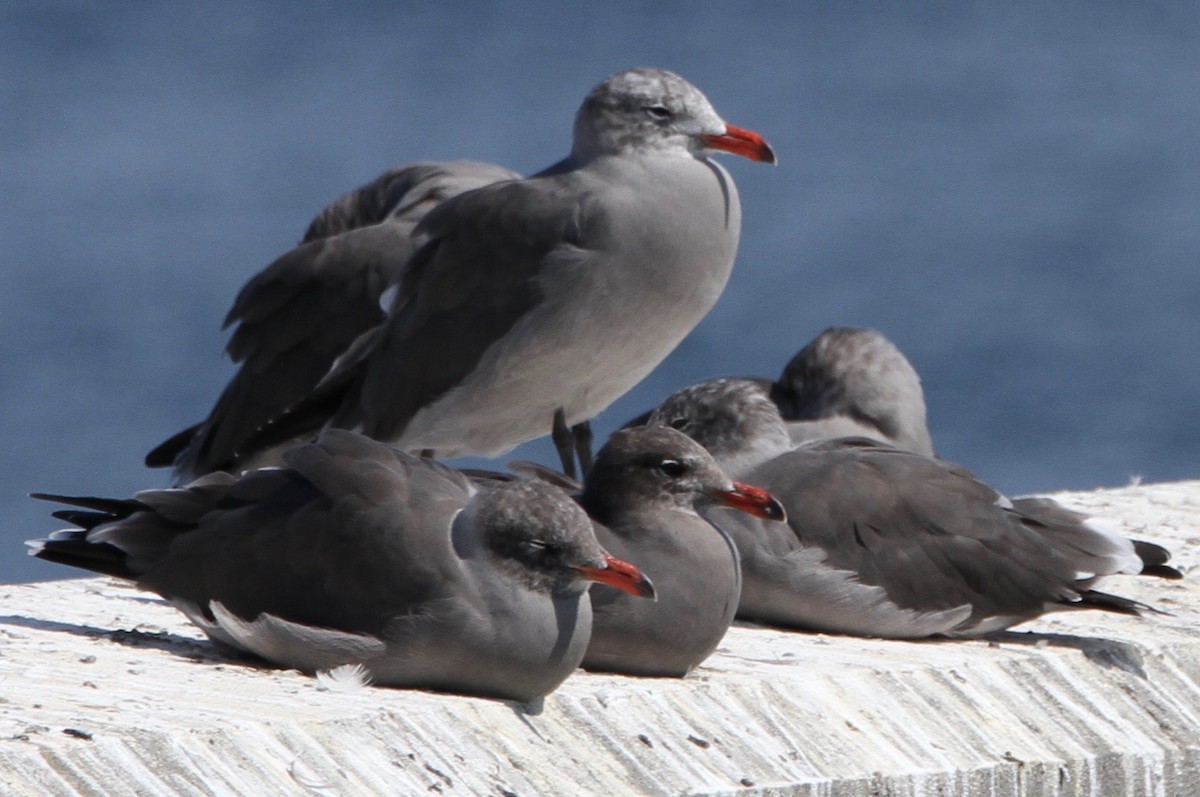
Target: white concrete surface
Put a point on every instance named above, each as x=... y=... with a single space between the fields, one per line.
x=107 y=691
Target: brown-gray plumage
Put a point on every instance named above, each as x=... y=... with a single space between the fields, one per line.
x=302 y=312
x=885 y=542
x=537 y=302
x=358 y=553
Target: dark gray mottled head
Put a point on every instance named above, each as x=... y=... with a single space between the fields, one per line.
x=652 y=466
x=732 y=418
x=652 y=109
x=860 y=374
x=544 y=540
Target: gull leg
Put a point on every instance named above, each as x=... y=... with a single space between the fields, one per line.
x=582 y=432
x=564 y=442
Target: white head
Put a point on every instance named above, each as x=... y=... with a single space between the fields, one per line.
x=652 y=110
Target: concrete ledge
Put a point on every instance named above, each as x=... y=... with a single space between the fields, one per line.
x=106 y=690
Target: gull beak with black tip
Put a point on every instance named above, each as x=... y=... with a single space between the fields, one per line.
x=751 y=500
x=622 y=576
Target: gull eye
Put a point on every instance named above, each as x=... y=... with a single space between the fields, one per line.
x=679 y=423
x=660 y=113
x=672 y=468
x=536 y=549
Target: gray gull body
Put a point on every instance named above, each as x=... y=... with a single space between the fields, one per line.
x=304 y=310
x=535 y=303
x=649 y=496
x=885 y=542
x=643 y=496
x=358 y=553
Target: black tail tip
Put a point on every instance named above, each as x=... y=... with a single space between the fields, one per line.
x=1162 y=571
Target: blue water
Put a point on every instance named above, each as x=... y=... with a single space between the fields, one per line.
x=1011 y=192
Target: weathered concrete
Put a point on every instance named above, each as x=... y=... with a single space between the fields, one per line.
x=105 y=690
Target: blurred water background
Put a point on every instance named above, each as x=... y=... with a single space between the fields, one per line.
x=1010 y=191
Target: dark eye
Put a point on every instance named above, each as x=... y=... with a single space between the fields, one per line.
x=672 y=468
x=659 y=112
x=678 y=423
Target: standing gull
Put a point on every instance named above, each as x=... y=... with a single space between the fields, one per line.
x=538 y=302
x=358 y=553
x=884 y=542
x=299 y=314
